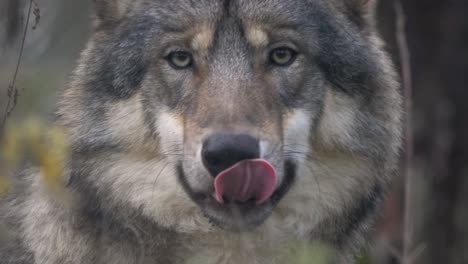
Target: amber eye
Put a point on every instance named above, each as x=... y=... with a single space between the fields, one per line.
x=180 y=60
x=283 y=56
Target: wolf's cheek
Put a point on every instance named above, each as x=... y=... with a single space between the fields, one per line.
x=150 y=182
x=327 y=177
x=170 y=130
x=338 y=120
x=151 y=185
x=126 y=122
x=297 y=129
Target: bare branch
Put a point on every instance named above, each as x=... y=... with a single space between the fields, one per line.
x=12 y=91
x=404 y=54
x=37 y=14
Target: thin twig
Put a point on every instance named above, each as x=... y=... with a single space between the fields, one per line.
x=404 y=54
x=37 y=14
x=12 y=91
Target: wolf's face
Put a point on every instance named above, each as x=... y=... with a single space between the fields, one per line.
x=216 y=111
x=235 y=84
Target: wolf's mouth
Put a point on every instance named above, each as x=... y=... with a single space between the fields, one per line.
x=248 y=179
x=233 y=214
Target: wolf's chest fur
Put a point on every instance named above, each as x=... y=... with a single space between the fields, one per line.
x=230 y=249
x=57 y=240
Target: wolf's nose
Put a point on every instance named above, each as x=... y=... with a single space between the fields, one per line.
x=221 y=151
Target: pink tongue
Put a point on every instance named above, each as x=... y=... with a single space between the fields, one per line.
x=248 y=179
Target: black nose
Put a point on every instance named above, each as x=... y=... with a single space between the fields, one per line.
x=221 y=151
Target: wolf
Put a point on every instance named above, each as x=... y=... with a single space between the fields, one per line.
x=216 y=131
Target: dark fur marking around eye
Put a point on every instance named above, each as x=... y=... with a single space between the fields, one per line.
x=345 y=60
x=120 y=60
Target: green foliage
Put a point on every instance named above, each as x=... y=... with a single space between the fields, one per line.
x=310 y=253
x=363 y=260
x=4 y=184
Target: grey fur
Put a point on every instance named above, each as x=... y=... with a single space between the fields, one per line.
x=329 y=123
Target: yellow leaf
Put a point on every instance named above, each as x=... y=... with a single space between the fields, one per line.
x=4 y=185
x=11 y=145
x=51 y=155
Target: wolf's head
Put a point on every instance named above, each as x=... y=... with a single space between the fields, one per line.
x=232 y=112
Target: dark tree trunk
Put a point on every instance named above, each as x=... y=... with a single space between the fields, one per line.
x=437 y=33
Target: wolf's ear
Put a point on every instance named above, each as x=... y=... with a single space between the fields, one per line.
x=359 y=11
x=108 y=12
x=360 y=6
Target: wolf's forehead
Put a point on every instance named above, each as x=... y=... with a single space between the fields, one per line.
x=181 y=14
x=272 y=12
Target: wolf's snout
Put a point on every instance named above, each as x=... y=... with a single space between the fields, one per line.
x=221 y=151
x=240 y=174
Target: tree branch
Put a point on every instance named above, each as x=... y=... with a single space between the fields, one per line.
x=404 y=54
x=12 y=91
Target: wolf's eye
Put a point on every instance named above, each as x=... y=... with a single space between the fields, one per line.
x=180 y=60
x=283 y=56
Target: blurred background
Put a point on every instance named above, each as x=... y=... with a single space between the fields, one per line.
x=437 y=35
